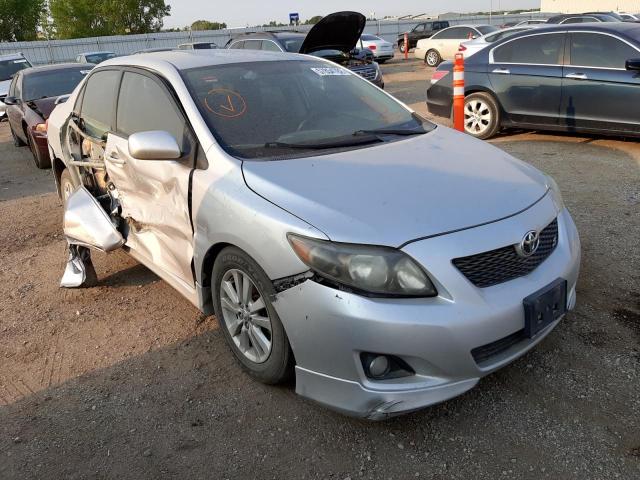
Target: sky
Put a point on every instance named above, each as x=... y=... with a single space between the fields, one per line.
x=256 y=12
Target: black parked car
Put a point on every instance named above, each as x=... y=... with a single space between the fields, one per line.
x=334 y=37
x=575 y=78
x=583 y=18
x=420 y=31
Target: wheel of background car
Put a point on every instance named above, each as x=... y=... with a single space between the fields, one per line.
x=432 y=58
x=481 y=115
x=401 y=47
x=41 y=162
x=17 y=141
x=241 y=294
x=66 y=186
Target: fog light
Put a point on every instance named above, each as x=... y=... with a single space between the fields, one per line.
x=379 y=366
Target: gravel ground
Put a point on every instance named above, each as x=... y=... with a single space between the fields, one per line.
x=128 y=380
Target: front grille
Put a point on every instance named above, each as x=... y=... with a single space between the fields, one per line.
x=504 y=264
x=365 y=71
x=485 y=353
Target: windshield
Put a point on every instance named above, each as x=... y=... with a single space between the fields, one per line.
x=52 y=83
x=99 y=57
x=485 y=29
x=266 y=109
x=8 y=68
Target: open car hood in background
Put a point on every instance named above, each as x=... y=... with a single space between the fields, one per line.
x=336 y=31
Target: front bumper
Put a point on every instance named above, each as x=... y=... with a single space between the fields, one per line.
x=328 y=329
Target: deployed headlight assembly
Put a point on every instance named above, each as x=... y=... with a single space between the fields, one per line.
x=381 y=271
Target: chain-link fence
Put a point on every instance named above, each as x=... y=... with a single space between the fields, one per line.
x=57 y=51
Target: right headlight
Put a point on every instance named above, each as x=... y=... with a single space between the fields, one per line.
x=376 y=270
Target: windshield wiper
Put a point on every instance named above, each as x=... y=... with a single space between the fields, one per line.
x=343 y=142
x=391 y=131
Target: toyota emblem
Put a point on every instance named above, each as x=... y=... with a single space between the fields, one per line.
x=529 y=244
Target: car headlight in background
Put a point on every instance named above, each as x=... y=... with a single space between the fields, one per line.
x=376 y=270
x=556 y=195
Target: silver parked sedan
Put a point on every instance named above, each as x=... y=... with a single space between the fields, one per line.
x=382 y=50
x=389 y=262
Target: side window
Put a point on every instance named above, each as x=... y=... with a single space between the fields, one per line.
x=253 y=45
x=419 y=28
x=98 y=102
x=237 y=45
x=452 y=33
x=535 y=49
x=270 y=46
x=603 y=51
x=144 y=105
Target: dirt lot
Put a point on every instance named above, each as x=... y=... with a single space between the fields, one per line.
x=128 y=380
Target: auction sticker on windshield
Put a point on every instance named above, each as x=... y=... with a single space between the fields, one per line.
x=326 y=71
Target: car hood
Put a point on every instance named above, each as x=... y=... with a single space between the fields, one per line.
x=43 y=106
x=336 y=31
x=396 y=192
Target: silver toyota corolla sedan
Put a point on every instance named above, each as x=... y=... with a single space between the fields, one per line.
x=388 y=262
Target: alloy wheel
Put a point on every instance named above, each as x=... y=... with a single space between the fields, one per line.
x=477 y=117
x=245 y=315
x=432 y=58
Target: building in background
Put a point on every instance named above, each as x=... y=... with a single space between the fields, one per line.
x=572 y=6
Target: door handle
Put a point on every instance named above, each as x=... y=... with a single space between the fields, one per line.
x=577 y=76
x=501 y=71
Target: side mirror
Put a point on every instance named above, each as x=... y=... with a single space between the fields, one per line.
x=154 y=145
x=632 y=64
x=62 y=99
x=11 y=100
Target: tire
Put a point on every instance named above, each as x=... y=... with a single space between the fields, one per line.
x=481 y=115
x=66 y=186
x=41 y=162
x=401 y=47
x=240 y=327
x=17 y=141
x=432 y=58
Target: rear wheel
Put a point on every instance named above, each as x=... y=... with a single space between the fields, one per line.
x=432 y=58
x=241 y=297
x=481 y=115
x=401 y=47
x=66 y=186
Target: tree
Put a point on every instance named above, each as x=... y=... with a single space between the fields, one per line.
x=313 y=20
x=91 y=18
x=19 y=19
x=207 y=25
x=274 y=23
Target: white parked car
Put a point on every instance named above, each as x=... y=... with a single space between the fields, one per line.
x=382 y=50
x=9 y=66
x=444 y=44
x=94 y=57
x=532 y=21
x=470 y=47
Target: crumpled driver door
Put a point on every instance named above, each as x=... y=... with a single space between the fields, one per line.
x=154 y=197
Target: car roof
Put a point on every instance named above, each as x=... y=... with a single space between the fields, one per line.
x=54 y=67
x=186 y=59
x=623 y=29
x=11 y=56
x=97 y=52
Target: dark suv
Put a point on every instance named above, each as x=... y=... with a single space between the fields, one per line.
x=334 y=38
x=420 y=31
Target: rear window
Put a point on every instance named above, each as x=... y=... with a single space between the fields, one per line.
x=485 y=29
x=251 y=107
x=52 y=83
x=99 y=57
x=534 y=49
x=369 y=37
x=8 y=68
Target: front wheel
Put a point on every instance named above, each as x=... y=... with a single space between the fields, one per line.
x=481 y=115
x=17 y=141
x=401 y=47
x=432 y=58
x=241 y=298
